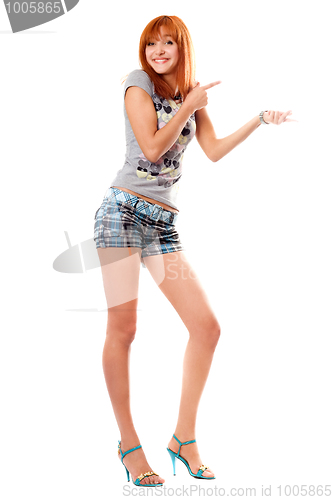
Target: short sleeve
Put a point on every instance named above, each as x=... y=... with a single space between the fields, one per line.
x=139 y=78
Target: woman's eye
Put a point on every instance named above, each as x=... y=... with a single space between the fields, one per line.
x=170 y=42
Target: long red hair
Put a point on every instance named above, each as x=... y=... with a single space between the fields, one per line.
x=186 y=65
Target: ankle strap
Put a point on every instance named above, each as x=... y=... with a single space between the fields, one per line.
x=128 y=451
x=181 y=444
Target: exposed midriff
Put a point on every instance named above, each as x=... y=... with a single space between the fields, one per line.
x=166 y=207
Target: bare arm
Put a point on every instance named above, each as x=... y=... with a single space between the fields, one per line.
x=216 y=148
x=142 y=116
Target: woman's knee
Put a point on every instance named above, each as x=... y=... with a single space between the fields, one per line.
x=124 y=335
x=121 y=325
x=208 y=332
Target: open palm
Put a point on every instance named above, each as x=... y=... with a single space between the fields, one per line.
x=277 y=117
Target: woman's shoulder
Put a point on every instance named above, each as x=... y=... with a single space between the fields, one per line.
x=139 y=78
x=140 y=73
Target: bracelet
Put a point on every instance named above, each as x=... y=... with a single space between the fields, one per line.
x=262 y=117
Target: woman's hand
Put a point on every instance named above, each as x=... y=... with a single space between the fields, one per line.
x=197 y=98
x=277 y=117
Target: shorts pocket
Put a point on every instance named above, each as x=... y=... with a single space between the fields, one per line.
x=105 y=206
x=99 y=212
x=112 y=221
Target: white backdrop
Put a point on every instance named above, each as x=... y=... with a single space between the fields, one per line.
x=261 y=244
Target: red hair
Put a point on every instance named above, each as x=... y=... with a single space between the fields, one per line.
x=186 y=63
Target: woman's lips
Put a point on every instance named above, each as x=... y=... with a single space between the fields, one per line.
x=160 y=61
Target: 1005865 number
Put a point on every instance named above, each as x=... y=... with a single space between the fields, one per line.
x=33 y=7
x=304 y=490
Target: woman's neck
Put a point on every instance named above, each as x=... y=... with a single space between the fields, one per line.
x=171 y=81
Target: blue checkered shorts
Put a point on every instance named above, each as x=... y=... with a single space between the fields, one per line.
x=125 y=220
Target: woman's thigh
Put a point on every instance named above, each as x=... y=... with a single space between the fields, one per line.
x=120 y=272
x=179 y=282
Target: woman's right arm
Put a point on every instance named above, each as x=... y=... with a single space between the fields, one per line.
x=142 y=116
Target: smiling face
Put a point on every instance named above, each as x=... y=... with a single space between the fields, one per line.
x=162 y=54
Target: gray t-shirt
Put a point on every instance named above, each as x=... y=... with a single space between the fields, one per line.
x=159 y=180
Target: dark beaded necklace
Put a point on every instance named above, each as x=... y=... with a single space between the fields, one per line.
x=177 y=98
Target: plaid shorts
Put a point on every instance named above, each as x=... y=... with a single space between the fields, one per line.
x=125 y=220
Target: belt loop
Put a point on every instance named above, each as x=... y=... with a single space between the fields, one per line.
x=159 y=209
x=136 y=201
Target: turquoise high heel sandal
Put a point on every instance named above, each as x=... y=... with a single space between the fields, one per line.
x=174 y=455
x=139 y=478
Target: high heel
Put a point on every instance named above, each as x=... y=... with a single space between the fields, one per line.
x=139 y=478
x=174 y=455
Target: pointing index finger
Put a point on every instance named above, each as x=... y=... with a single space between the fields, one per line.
x=210 y=85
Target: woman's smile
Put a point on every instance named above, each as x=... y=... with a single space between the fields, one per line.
x=160 y=61
x=162 y=53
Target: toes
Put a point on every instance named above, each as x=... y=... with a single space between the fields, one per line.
x=208 y=473
x=151 y=480
x=157 y=479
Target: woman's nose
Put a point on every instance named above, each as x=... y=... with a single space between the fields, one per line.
x=160 y=49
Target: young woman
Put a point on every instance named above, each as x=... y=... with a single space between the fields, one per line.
x=164 y=108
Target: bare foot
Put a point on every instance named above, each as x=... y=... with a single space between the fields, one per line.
x=137 y=464
x=191 y=454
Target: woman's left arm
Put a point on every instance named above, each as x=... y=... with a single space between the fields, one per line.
x=216 y=148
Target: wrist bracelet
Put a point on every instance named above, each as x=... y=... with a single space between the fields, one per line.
x=262 y=117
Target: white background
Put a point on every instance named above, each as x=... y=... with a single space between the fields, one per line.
x=261 y=243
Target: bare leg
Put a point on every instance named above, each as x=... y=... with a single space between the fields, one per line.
x=120 y=279
x=182 y=288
